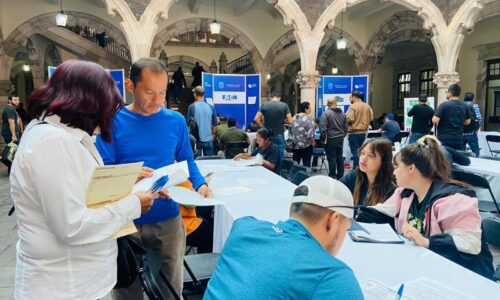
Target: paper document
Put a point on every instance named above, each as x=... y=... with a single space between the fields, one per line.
x=257 y=160
x=112 y=183
x=230 y=191
x=176 y=173
x=188 y=197
x=375 y=290
x=375 y=233
x=252 y=100
x=430 y=289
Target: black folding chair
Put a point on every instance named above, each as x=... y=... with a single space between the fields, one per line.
x=479 y=182
x=296 y=168
x=319 y=153
x=494 y=139
x=402 y=135
x=286 y=166
x=208 y=157
x=237 y=147
x=300 y=176
x=198 y=269
x=372 y=135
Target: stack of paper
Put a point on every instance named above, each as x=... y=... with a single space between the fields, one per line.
x=374 y=233
x=187 y=197
x=257 y=160
x=112 y=183
x=177 y=173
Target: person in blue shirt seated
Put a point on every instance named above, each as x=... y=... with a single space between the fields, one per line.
x=266 y=148
x=390 y=129
x=293 y=259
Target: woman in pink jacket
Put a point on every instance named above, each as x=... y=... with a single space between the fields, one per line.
x=432 y=210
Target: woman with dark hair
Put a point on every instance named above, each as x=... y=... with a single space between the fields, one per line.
x=372 y=181
x=302 y=131
x=432 y=210
x=65 y=250
x=267 y=149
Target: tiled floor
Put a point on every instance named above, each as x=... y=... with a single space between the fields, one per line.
x=8 y=239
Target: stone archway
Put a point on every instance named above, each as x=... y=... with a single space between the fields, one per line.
x=227 y=30
x=188 y=60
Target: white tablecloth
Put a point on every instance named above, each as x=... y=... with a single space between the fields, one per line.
x=390 y=264
x=483 y=145
x=490 y=169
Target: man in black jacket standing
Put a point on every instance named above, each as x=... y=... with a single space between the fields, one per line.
x=422 y=119
x=333 y=125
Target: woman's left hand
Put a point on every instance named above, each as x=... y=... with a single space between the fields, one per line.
x=413 y=234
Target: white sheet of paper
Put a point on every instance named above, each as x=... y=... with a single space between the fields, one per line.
x=376 y=232
x=187 y=197
x=230 y=191
x=178 y=173
x=252 y=100
x=425 y=288
x=251 y=181
x=257 y=160
x=210 y=101
x=375 y=290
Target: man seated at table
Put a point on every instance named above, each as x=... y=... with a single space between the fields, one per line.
x=266 y=148
x=390 y=129
x=232 y=135
x=292 y=259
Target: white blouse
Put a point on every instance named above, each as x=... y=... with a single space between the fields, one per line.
x=64 y=250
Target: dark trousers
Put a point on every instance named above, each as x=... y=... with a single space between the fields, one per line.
x=202 y=238
x=355 y=142
x=457 y=144
x=303 y=155
x=471 y=139
x=334 y=150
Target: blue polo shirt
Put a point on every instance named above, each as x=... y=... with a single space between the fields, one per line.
x=157 y=140
x=261 y=260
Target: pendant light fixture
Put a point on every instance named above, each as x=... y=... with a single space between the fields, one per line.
x=61 y=17
x=341 y=41
x=215 y=26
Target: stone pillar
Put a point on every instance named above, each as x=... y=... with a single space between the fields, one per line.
x=308 y=82
x=443 y=80
x=213 y=67
x=6 y=88
x=222 y=63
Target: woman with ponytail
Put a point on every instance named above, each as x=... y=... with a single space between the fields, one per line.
x=433 y=210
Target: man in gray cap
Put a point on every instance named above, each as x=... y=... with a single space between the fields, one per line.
x=206 y=120
x=262 y=260
x=276 y=114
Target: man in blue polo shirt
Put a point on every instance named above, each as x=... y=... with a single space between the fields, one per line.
x=146 y=131
x=294 y=259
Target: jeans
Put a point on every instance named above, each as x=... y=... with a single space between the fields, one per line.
x=355 y=142
x=414 y=137
x=204 y=148
x=334 y=150
x=455 y=144
x=303 y=155
x=471 y=139
x=168 y=240
x=279 y=140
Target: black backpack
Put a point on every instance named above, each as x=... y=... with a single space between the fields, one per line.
x=192 y=126
x=474 y=122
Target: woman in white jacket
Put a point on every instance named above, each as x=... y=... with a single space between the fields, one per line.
x=64 y=249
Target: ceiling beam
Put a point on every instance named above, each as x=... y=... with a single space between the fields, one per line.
x=194 y=5
x=241 y=9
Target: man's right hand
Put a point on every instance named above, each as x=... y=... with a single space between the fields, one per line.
x=14 y=140
x=146 y=200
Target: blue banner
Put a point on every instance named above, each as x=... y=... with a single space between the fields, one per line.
x=340 y=88
x=236 y=96
x=117 y=74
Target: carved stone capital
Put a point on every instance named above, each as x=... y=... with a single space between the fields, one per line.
x=443 y=80
x=308 y=80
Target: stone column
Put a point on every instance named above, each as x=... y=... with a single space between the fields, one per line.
x=308 y=82
x=6 y=88
x=164 y=58
x=213 y=67
x=443 y=80
x=222 y=63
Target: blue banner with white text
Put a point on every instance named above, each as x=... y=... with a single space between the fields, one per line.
x=340 y=88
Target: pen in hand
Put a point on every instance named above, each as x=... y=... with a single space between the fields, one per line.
x=400 y=292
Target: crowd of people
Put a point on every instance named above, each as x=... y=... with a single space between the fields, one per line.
x=65 y=251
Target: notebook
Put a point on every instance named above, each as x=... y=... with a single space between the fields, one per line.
x=374 y=233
